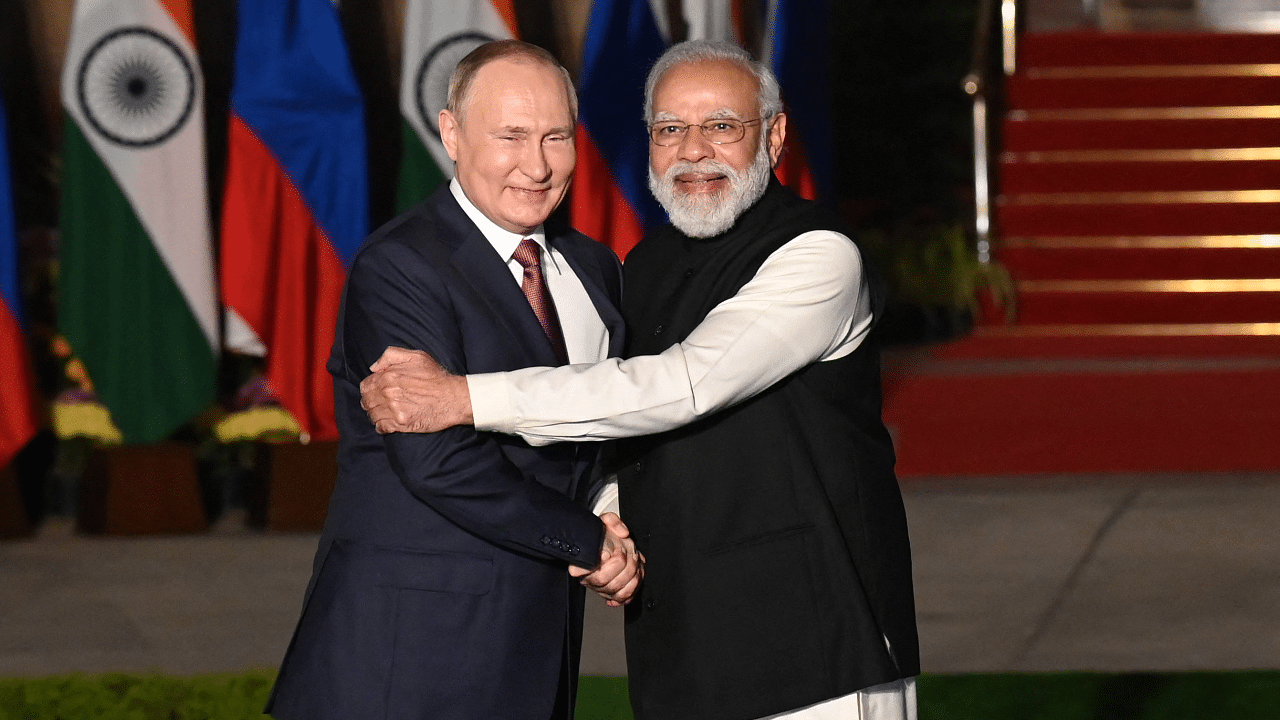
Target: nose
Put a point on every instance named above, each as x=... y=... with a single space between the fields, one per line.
x=533 y=162
x=694 y=146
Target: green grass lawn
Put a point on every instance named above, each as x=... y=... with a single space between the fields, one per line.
x=1056 y=696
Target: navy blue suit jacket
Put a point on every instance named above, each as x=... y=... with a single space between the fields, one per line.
x=440 y=587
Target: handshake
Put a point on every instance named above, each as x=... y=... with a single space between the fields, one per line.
x=621 y=566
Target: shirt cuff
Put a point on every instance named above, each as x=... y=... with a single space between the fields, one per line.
x=491 y=406
x=606 y=500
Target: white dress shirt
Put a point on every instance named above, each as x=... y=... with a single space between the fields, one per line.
x=586 y=339
x=806 y=303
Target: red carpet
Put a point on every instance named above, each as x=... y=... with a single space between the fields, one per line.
x=957 y=418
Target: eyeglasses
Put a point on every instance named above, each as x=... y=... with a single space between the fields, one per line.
x=721 y=131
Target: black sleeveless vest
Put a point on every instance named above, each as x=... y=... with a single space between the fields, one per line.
x=776 y=540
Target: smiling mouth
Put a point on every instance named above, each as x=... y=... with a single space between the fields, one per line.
x=699 y=182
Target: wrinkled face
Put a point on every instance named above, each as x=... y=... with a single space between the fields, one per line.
x=704 y=187
x=512 y=145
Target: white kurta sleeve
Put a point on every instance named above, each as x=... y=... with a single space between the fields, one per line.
x=807 y=302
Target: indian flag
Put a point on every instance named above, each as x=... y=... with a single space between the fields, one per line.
x=437 y=34
x=137 y=298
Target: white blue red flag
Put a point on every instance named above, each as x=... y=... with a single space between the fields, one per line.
x=17 y=388
x=296 y=202
x=796 y=49
x=610 y=199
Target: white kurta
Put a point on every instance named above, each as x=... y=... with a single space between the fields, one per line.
x=806 y=303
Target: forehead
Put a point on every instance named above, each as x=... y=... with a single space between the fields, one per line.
x=697 y=89
x=510 y=89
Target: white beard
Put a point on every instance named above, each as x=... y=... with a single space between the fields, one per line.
x=708 y=215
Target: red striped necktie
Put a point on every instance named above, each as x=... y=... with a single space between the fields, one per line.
x=529 y=255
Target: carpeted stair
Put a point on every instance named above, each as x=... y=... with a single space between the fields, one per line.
x=1138 y=211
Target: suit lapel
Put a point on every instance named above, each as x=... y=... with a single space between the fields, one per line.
x=481 y=267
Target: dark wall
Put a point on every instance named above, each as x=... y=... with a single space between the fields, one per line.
x=902 y=122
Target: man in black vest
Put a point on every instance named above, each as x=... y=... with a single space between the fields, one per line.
x=754 y=469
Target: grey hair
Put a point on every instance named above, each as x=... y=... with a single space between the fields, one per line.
x=769 y=96
x=464 y=73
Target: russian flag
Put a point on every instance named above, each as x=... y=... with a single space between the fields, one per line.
x=796 y=49
x=720 y=20
x=18 y=419
x=610 y=199
x=296 y=202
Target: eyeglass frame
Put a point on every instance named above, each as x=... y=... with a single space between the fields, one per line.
x=702 y=128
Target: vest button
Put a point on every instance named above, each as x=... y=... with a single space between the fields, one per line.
x=639 y=465
x=657 y=331
x=650 y=604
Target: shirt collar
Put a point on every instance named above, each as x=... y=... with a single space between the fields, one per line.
x=504 y=241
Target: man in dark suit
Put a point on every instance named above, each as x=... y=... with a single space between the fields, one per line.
x=440 y=586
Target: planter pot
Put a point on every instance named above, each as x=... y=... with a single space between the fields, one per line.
x=290 y=489
x=14 y=522
x=140 y=490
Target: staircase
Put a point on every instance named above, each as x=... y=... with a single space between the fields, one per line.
x=1139 y=189
x=1138 y=211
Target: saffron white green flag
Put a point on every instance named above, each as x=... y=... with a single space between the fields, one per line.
x=437 y=34
x=137 y=297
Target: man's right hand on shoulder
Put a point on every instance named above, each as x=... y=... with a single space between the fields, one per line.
x=408 y=391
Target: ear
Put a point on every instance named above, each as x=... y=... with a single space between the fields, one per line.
x=777 y=134
x=449 y=133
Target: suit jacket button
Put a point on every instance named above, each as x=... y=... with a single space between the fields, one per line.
x=575 y=550
x=546 y=540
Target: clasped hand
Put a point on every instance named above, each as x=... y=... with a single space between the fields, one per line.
x=621 y=566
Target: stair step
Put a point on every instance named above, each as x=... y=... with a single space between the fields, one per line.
x=1138 y=263
x=1027 y=135
x=1115 y=302
x=1026 y=93
x=1120 y=340
x=1086 y=48
x=1128 y=171
x=1129 y=219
